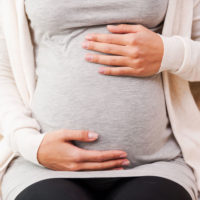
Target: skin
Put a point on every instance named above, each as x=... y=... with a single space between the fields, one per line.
x=57 y=152
x=134 y=51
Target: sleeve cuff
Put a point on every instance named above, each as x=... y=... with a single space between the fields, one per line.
x=27 y=143
x=173 y=56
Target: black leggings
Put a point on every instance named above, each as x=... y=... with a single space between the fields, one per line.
x=124 y=188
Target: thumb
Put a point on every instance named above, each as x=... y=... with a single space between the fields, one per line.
x=125 y=28
x=80 y=135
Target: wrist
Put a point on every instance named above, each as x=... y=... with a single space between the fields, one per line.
x=173 y=55
x=27 y=144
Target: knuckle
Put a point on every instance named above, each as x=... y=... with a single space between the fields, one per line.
x=91 y=45
x=129 y=62
x=95 y=36
x=140 y=71
x=112 y=60
x=140 y=27
x=72 y=167
x=125 y=60
x=77 y=157
x=102 y=165
x=96 y=58
x=108 y=71
x=134 y=53
x=108 y=49
x=113 y=155
x=132 y=39
x=109 y=38
x=84 y=134
x=137 y=63
x=122 y=25
x=100 y=157
x=120 y=71
x=117 y=163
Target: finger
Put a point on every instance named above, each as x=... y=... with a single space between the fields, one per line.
x=81 y=135
x=119 y=39
x=117 y=168
x=120 y=71
x=125 y=28
x=101 y=165
x=107 y=48
x=100 y=156
x=108 y=60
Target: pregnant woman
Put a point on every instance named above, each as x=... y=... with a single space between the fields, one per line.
x=100 y=104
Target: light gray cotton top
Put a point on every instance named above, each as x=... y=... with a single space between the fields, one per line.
x=128 y=113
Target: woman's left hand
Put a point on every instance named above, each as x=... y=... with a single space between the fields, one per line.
x=137 y=51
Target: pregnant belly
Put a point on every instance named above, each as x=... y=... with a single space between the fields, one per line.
x=128 y=113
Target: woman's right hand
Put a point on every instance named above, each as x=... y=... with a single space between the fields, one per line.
x=57 y=152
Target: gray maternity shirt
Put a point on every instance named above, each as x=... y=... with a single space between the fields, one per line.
x=128 y=113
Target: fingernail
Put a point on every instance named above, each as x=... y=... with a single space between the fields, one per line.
x=92 y=135
x=89 y=57
x=127 y=162
x=85 y=44
x=89 y=37
x=123 y=155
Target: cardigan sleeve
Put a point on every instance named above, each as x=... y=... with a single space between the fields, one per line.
x=181 y=54
x=17 y=126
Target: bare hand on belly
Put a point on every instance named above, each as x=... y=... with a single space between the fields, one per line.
x=57 y=152
x=137 y=51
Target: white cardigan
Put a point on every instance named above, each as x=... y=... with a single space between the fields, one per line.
x=22 y=135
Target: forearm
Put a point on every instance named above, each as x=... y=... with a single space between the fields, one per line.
x=173 y=54
x=22 y=131
x=182 y=54
x=17 y=125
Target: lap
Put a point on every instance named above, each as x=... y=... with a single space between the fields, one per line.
x=126 y=188
x=58 y=188
x=148 y=188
